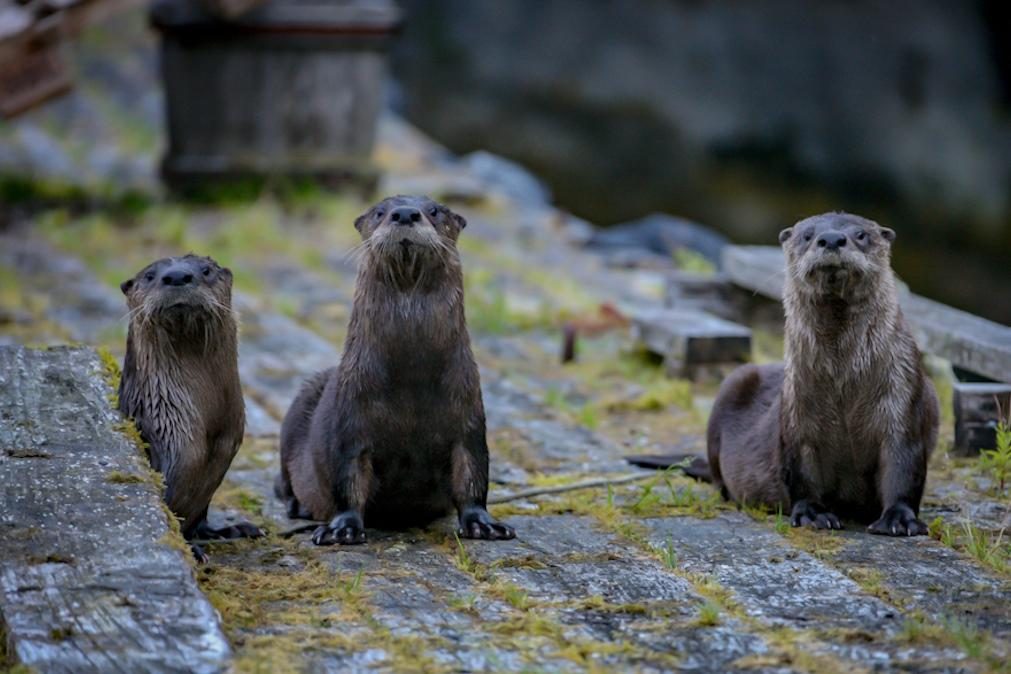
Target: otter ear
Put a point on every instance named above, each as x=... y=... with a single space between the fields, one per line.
x=126 y=286
x=460 y=222
x=785 y=235
x=888 y=234
x=360 y=221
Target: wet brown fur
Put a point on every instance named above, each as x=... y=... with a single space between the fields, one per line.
x=844 y=427
x=180 y=381
x=395 y=434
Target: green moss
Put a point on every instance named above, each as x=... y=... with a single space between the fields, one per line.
x=690 y=261
x=120 y=477
x=237 y=497
x=820 y=544
x=490 y=310
x=111 y=373
x=658 y=396
x=26 y=190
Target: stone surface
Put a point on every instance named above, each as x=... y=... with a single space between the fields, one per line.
x=88 y=581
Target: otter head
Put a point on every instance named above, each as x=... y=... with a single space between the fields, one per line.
x=410 y=237
x=180 y=296
x=836 y=255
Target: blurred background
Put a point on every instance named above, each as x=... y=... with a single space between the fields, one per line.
x=739 y=116
x=744 y=116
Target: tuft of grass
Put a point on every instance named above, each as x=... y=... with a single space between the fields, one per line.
x=668 y=555
x=782 y=524
x=352 y=587
x=969 y=637
x=916 y=629
x=516 y=596
x=709 y=614
x=996 y=463
x=990 y=549
x=588 y=416
x=465 y=562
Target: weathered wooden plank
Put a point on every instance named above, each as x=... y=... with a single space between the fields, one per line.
x=968 y=341
x=971 y=342
x=978 y=406
x=688 y=339
x=757 y=268
x=89 y=581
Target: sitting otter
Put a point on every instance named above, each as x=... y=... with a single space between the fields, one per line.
x=180 y=383
x=845 y=427
x=395 y=434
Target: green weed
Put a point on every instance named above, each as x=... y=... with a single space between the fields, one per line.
x=997 y=462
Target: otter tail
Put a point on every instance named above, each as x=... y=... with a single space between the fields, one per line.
x=692 y=465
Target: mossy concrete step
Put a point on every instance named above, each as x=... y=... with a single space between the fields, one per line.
x=93 y=577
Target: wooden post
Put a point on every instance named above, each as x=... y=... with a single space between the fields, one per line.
x=289 y=88
x=977 y=408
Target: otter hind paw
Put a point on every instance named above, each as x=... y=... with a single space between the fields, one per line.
x=345 y=529
x=199 y=554
x=477 y=523
x=898 y=520
x=295 y=509
x=806 y=513
x=205 y=531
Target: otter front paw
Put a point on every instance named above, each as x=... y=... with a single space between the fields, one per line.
x=475 y=522
x=806 y=513
x=898 y=520
x=346 y=529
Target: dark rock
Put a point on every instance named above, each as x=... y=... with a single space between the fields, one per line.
x=662 y=235
x=508 y=178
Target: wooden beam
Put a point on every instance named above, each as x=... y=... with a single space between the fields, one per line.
x=689 y=339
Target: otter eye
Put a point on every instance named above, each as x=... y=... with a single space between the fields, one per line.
x=206 y=270
x=808 y=234
x=433 y=211
x=380 y=213
x=149 y=276
x=861 y=236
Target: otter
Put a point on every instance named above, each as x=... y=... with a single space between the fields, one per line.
x=394 y=435
x=845 y=427
x=180 y=384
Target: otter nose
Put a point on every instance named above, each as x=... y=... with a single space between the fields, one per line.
x=177 y=277
x=405 y=215
x=832 y=240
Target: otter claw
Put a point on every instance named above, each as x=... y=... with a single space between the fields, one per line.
x=813 y=515
x=345 y=529
x=898 y=520
x=477 y=523
x=199 y=554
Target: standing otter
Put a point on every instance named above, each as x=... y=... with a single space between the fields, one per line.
x=395 y=434
x=845 y=427
x=180 y=383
